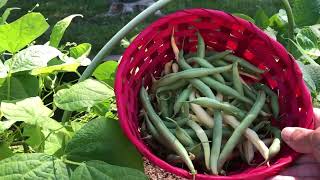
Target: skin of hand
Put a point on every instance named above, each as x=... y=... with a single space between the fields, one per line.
x=305 y=141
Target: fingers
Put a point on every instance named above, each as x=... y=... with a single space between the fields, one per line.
x=316 y=112
x=299 y=139
x=280 y=177
x=315 y=143
x=310 y=170
x=306 y=159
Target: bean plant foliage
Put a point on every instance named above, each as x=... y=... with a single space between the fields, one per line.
x=40 y=81
x=37 y=83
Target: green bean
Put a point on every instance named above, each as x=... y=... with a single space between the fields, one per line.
x=193 y=135
x=245 y=64
x=274 y=149
x=219 y=55
x=226 y=90
x=173 y=86
x=184 y=95
x=163 y=105
x=217 y=131
x=205 y=64
x=201 y=49
x=203 y=139
x=236 y=79
x=190 y=73
x=274 y=98
x=196 y=83
x=185 y=110
x=154 y=133
x=164 y=131
x=180 y=121
x=250 y=93
x=219 y=62
x=216 y=143
x=239 y=131
x=222 y=106
x=261 y=125
x=183 y=137
x=172 y=158
x=196 y=150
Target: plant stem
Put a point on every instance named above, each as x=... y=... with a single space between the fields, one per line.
x=116 y=40
x=8 y=86
x=291 y=22
x=120 y=35
x=72 y=162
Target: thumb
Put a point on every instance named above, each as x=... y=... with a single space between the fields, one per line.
x=299 y=139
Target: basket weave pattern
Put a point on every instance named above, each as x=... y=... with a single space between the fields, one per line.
x=149 y=52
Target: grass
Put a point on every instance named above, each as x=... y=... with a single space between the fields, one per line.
x=96 y=28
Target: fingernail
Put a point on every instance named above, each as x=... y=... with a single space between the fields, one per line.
x=286 y=133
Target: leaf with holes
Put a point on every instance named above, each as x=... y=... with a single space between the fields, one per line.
x=82 y=95
x=93 y=170
x=59 y=30
x=33 y=166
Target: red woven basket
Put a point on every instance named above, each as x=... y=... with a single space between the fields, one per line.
x=151 y=50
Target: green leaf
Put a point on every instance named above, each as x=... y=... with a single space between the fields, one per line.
x=31 y=111
x=102 y=139
x=279 y=20
x=5 y=150
x=21 y=86
x=261 y=19
x=6 y=14
x=308 y=41
x=271 y=32
x=307 y=77
x=306 y=12
x=5 y=124
x=20 y=33
x=82 y=95
x=314 y=72
x=93 y=170
x=3 y=70
x=59 y=30
x=102 y=108
x=3 y=3
x=80 y=51
x=35 y=137
x=245 y=17
x=66 y=67
x=54 y=141
x=32 y=57
x=33 y=166
x=106 y=72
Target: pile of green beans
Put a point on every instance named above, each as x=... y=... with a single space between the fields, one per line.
x=204 y=114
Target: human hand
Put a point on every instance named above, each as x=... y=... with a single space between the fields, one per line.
x=305 y=141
